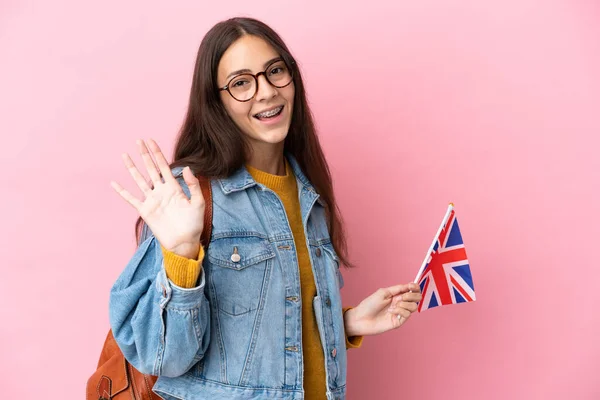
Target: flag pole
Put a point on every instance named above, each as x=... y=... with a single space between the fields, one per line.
x=435 y=238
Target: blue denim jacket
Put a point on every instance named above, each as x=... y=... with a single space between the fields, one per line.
x=237 y=335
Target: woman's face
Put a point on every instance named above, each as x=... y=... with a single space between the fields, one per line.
x=251 y=54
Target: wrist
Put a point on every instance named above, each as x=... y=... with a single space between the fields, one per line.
x=187 y=250
x=351 y=323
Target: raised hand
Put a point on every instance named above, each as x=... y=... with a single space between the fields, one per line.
x=175 y=220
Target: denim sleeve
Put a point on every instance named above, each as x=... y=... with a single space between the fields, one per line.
x=161 y=329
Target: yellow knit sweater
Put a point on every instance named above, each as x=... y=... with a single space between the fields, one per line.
x=185 y=272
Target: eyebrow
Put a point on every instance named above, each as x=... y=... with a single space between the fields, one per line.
x=246 y=71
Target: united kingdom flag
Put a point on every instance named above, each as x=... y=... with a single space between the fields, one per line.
x=446 y=278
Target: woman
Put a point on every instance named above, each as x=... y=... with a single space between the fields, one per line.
x=259 y=314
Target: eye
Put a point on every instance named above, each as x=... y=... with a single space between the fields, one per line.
x=240 y=83
x=277 y=69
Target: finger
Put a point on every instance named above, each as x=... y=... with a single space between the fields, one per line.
x=149 y=162
x=409 y=296
x=135 y=174
x=403 y=312
x=194 y=186
x=399 y=303
x=394 y=290
x=161 y=161
x=406 y=305
x=413 y=287
x=126 y=195
x=400 y=320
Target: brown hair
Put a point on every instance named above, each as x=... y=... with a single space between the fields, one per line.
x=212 y=145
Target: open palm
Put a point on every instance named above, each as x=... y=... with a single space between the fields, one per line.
x=175 y=220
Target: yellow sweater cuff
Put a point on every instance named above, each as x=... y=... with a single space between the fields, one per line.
x=183 y=272
x=352 y=342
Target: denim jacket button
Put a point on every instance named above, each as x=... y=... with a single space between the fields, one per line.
x=328 y=302
x=235 y=257
x=318 y=252
x=334 y=352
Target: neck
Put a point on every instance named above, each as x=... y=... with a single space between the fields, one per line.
x=269 y=160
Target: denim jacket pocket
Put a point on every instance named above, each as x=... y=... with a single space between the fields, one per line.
x=335 y=260
x=239 y=266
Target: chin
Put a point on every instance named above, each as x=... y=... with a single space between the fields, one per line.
x=273 y=136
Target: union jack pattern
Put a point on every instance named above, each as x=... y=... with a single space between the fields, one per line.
x=447 y=278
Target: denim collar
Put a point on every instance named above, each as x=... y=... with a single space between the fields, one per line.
x=242 y=179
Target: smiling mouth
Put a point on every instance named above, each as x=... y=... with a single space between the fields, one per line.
x=269 y=114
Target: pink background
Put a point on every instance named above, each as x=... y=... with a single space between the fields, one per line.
x=492 y=105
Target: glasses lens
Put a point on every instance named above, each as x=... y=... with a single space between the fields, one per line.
x=242 y=87
x=279 y=74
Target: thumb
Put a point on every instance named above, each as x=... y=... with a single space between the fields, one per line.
x=399 y=289
x=193 y=185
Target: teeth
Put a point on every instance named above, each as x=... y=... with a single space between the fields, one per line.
x=267 y=114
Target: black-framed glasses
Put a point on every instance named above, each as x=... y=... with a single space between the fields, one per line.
x=243 y=87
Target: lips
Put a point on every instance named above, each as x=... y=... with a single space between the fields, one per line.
x=269 y=113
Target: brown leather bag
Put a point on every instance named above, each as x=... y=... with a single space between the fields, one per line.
x=115 y=378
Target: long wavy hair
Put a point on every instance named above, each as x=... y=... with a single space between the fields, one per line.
x=213 y=146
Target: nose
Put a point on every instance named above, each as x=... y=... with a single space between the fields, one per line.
x=265 y=90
